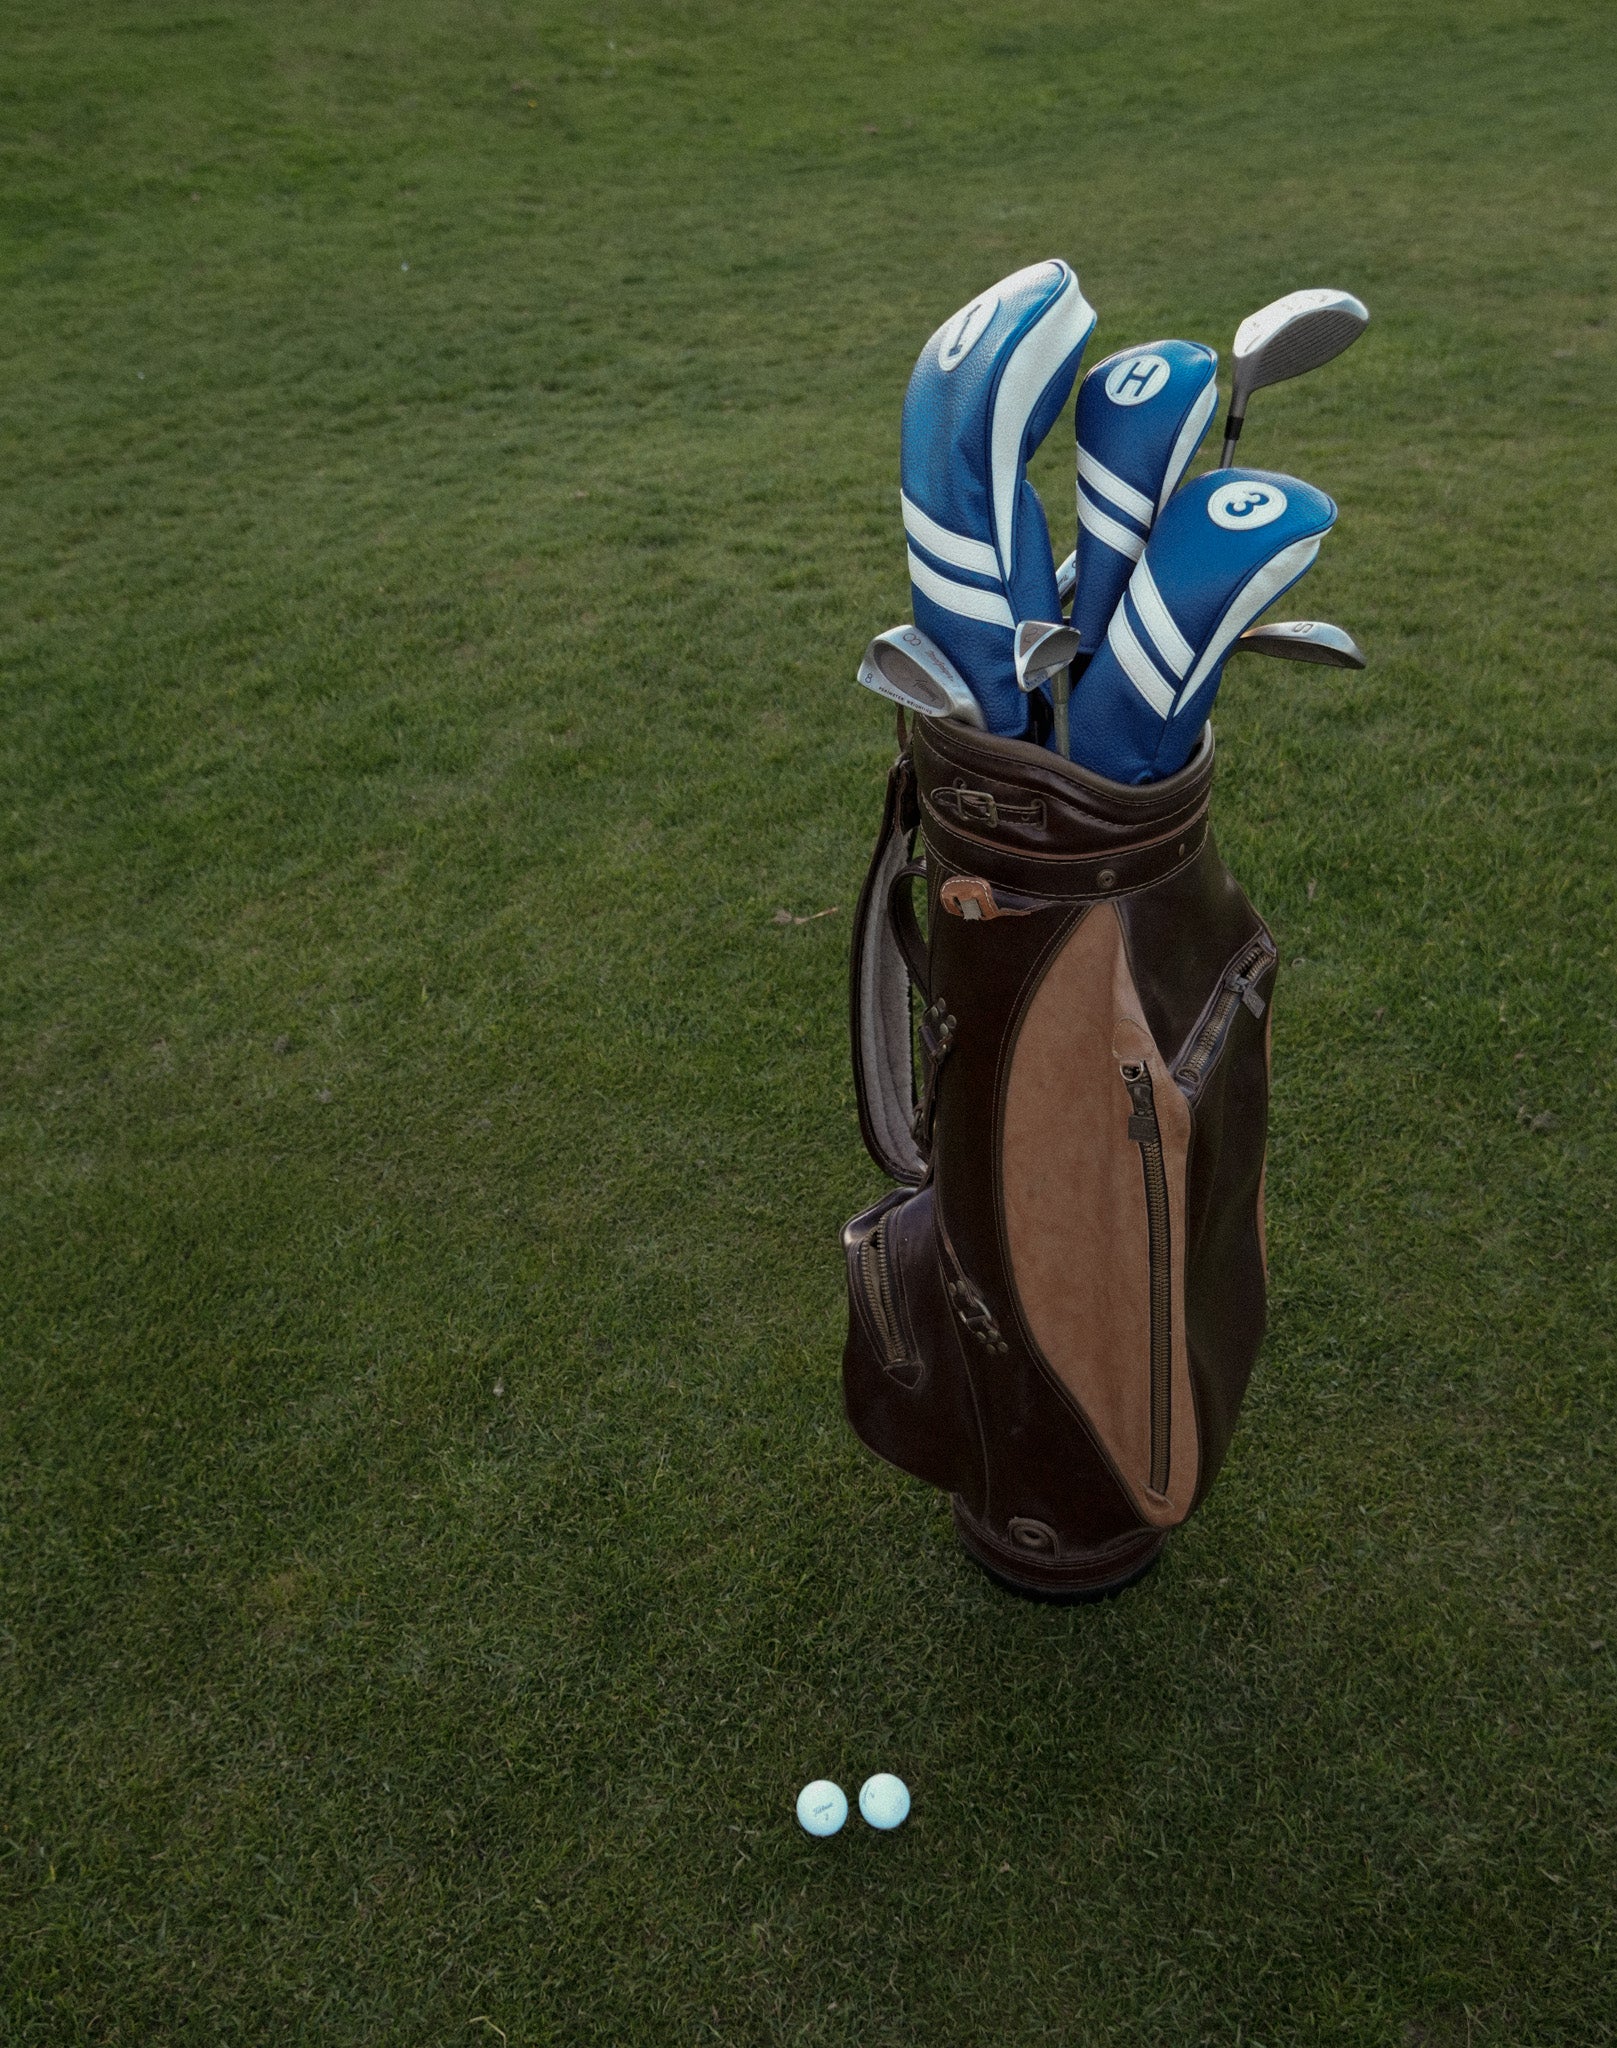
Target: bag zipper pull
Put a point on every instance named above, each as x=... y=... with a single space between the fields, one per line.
x=1137 y=1080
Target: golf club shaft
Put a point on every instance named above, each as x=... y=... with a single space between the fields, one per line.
x=1061 y=691
x=1232 y=434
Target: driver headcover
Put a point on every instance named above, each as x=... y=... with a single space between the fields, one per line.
x=985 y=392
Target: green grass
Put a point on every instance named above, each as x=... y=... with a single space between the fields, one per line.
x=432 y=1552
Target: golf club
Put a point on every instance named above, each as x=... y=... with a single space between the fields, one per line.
x=1067 y=577
x=907 y=667
x=1294 y=334
x=1303 y=640
x=1043 y=652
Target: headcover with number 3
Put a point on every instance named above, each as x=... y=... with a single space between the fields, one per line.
x=1221 y=551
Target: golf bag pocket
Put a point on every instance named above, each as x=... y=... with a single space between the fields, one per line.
x=1093 y=1157
x=1053 y=1317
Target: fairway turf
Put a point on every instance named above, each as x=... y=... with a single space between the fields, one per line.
x=450 y=462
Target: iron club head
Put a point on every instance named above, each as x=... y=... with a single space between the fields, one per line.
x=1042 y=647
x=1303 y=640
x=1293 y=335
x=908 y=667
x=1044 y=650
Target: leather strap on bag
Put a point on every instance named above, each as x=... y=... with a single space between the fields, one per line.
x=879 y=986
x=906 y=926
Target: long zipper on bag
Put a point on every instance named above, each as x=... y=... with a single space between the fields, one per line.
x=879 y=1285
x=1146 y=1132
x=1240 y=985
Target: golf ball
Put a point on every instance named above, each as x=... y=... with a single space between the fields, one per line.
x=822 y=1807
x=884 y=1800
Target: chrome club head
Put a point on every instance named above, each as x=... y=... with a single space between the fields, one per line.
x=1044 y=648
x=1293 y=335
x=908 y=667
x=1303 y=640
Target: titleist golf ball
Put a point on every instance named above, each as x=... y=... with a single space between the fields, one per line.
x=822 y=1807
x=884 y=1800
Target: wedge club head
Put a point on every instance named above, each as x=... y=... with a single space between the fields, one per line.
x=908 y=667
x=1303 y=640
x=1293 y=335
x=1044 y=649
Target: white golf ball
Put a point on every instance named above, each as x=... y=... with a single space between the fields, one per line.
x=884 y=1800
x=822 y=1807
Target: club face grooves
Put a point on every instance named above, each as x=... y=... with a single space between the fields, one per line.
x=909 y=677
x=1306 y=345
x=1312 y=337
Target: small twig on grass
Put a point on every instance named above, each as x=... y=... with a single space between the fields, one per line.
x=786 y=917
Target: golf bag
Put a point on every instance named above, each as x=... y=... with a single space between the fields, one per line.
x=1054 y=1315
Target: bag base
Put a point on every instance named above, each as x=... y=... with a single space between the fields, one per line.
x=1067 y=1581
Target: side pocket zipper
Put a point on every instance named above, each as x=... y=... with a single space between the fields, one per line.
x=1240 y=985
x=884 y=1304
x=1145 y=1132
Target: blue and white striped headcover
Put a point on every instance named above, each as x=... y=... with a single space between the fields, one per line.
x=1219 y=553
x=1140 y=418
x=983 y=395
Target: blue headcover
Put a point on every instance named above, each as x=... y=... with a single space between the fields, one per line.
x=1220 y=551
x=983 y=395
x=1141 y=416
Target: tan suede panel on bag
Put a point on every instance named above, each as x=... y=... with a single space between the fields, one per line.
x=1076 y=1223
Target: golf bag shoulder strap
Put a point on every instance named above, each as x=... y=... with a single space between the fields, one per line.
x=879 y=988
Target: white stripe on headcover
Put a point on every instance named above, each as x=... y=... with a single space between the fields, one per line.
x=1264 y=588
x=953 y=548
x=1189 y=434
x=1123 y=539
x=1175 y=650
x=1137 y=665
x=962 y=598
x=1065 y=325
x=1124 y=496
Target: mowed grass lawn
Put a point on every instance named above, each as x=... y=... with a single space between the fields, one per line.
x=450 y=457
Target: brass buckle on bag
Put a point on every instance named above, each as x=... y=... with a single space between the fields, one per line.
x=982 y=807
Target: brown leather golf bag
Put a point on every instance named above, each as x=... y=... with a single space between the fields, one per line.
x=1054 y=1315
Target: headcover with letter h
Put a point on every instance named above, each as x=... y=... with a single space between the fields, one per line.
x=983 y=395
x=1221 y=551
x=1140 y=418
